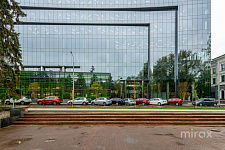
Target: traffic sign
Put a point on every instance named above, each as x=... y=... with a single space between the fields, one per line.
x=134 y=85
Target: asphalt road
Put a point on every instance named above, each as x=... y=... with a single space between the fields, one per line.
x=110 y=138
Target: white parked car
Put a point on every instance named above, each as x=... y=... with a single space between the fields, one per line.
x=24 y=100
x=79 y=101
x=129 y=101
x=157 y=101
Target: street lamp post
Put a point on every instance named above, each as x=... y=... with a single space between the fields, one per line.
x=134 y=95
x=73 y=78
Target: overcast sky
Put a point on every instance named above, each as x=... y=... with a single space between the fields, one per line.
x=218 y=28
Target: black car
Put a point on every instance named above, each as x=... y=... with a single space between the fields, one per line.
x=118 y=101
x=206 y=102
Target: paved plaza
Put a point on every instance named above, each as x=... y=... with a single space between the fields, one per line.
x=111 y=138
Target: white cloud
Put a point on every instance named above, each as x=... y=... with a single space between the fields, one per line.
x=218 y=27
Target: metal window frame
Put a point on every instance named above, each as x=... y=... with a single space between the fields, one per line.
x=163 y=8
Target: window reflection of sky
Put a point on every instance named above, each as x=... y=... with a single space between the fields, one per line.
x=117 y=50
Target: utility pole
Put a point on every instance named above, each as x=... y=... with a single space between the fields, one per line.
x=134 y=95
x=73 y=78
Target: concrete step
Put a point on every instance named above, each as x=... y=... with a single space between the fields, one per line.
x=124 y=113
x=120 y=122
x=123 y=116
x=121 y=119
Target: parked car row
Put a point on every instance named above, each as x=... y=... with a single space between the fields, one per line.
x=126 y=101
x=55 y=100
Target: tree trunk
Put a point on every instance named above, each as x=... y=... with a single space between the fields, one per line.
x=13 y=102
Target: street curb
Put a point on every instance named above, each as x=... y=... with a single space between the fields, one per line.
x=119 y=110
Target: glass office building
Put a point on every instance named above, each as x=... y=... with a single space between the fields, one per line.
x=158 y=45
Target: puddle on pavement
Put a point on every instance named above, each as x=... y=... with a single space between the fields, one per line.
x=215 y=130
x=74 y=127
x=84 y=133
x=168 y=134
x=131 y=140
x=178 y=143
x=50 y=140
x=18 y=141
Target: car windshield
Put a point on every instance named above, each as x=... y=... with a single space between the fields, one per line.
x=201 y=99
x=212 y=99
x=108 y=98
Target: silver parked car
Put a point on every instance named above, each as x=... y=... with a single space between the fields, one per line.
x=24 y=100
x=157 y=101
x=129 y=101
x=79 y=101
x=101 y=101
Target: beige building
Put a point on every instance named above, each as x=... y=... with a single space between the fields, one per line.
x=218 y=77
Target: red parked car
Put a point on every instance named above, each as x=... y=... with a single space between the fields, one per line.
x=143 y=101
x=50 y=100
x=174 y=101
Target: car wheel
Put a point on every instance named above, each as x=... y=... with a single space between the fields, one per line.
x=93 y=103
x=83 y=103
x=7 y=103
x=54 y=103
x=70 y=103
x=40 y=103
x=200 y=104
x=143 y=104
x=159 y=104
x=177 y=104
x=214 y=104
x=22 y=102
x=104 y=104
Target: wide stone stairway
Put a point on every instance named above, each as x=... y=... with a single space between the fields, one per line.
x=122 y=118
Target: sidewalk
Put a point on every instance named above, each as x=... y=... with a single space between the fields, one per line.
x=118 y=110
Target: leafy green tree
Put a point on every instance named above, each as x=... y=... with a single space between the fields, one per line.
x=203 y=84
x=143 y=74
x=34 y=87
x=10 y=52
x=183 y=90
x=68 y=83
x=80 y=84
x=97 y=88
x=189 y=68
x=66 y=95
x=2 y=97
x=94 y=78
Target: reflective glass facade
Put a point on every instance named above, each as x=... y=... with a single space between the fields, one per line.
x=131 y=53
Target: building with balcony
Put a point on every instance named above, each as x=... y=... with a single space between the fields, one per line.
x=218 y=77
